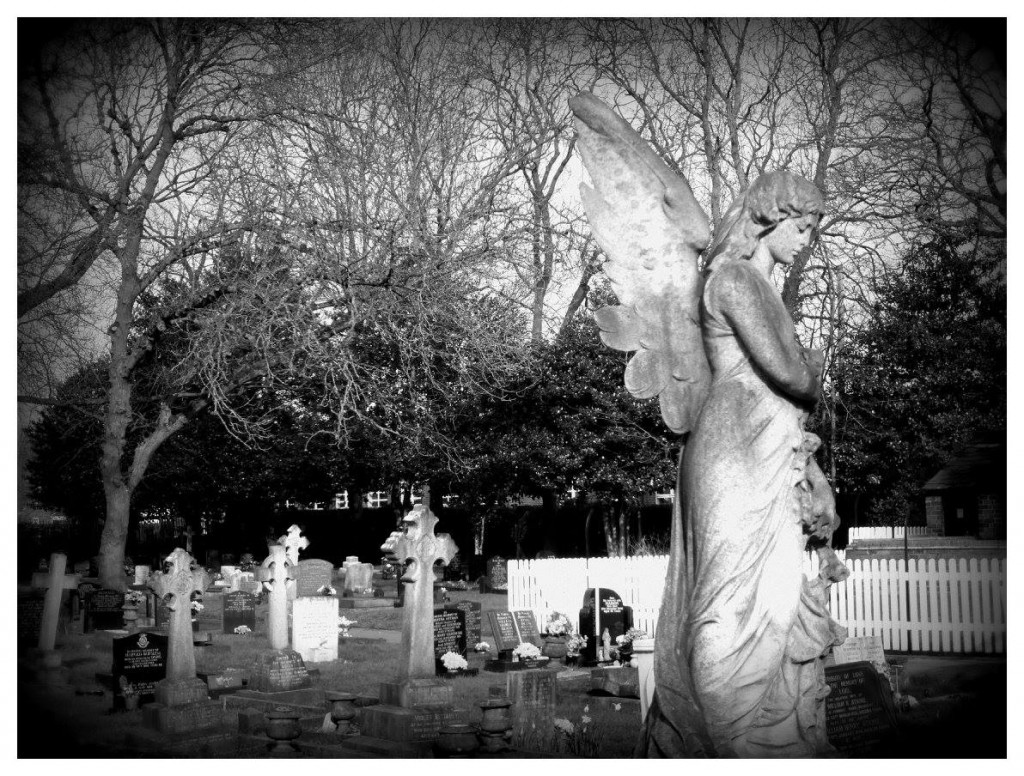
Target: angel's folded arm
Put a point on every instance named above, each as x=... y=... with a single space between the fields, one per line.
x=744 y=302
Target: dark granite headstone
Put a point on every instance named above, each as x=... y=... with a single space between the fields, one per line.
x=503 y=628
x=30 y=617
x=526 y=624
x=472 y=610
x=141 y=659
x=497 y=573
x=312 y=575
x=279 y=671
x=104 y=610
x=449 y=634
x=859 y=711
x=602 y=608
x=239 y=609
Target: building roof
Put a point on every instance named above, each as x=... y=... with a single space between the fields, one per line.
x=979 y=465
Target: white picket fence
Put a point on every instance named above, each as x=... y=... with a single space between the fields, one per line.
x=886 y=532
x=924 y=605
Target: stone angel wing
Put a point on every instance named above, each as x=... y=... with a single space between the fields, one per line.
x=647 y=221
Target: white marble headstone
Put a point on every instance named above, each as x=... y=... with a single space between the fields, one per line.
x=315 y=628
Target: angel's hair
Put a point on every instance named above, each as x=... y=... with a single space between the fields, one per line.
x=766 y=203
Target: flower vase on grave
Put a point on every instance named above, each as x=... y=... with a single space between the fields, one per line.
x=282 y=729
x=456 y=740
x=343 y=711
x=554 y=646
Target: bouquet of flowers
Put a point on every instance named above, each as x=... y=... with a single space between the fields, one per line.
x=326 y=590
x=526 y=651
x=629 y=636
x=344 y=623
x=575 y=643
x=134 y=597
x=481 y=646
x=453 y=661
x=558 y=625
x=243 y=630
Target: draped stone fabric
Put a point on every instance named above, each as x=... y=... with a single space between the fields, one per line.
x=742 y=634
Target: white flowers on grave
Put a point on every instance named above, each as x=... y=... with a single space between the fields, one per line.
x=558 y=625
x=243 y=630
x=326 y=590
x=453 y=661
x=197 y=607
x=526 y=651
x=482 y=646
x=344 y=623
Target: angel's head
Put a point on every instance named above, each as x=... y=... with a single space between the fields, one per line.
x=774 y=199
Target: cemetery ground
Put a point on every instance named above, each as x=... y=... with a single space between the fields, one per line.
x=959 y=708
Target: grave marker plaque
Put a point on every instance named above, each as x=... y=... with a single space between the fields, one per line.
x=239 y=609
x=449 y=634
x=315 y=628
x=526 y=625
x=104 y=610
x=503 y=628
x=141 y=659
x=472 y=610
x=313 y=574
x=859 y=711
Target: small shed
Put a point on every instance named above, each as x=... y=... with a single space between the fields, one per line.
x=967 y=497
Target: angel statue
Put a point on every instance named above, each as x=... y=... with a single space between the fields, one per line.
x=742 y=634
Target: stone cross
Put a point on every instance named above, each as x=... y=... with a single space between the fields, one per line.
x=292 y=543
x=274 y=573
x=56 y=583
x=420 y=546
x=179 y=584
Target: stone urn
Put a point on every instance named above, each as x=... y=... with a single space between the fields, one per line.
x=496 y=724
x=554 y=646
x=282 y=729
x=130 y=612
x=343 y=711
x=456 y=740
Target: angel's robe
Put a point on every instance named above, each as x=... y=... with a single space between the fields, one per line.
x=739 y=663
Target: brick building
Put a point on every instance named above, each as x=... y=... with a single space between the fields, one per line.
x=967 y=497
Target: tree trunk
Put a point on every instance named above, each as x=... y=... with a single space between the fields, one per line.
x=113 y=537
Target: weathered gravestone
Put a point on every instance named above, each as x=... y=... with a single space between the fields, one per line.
x=313 y=576
x=239 y=610
x=279 y=671
x=103 y=610
x=449 y=634
x=292 y=542
x=473 y=612
x=416 y=706
x=141 y=659
x=860 y=712
x=274 y=573
x=534 y=695
x=602 y=609
x=315 y=628
x=862 y=648
x=54 y=582
x=30 y=617
x=358 y=579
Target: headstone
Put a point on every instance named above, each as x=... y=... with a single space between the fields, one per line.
x=56 y=583
x=211 y=616
x=526 y=625
x=104 y=610
x=504 y=631
x=292 y=542
x=30 y=617
x=142 y=574
x=312 y=575
x=279 y=671
x=239 y=609
x=859 y=710
x=497 y=573
x=141 y=659
x=274 y=573
x=472 y=610
x=862 y=648
x=315 y=628
x=449 y=634
x=534 y=695
x=602 y=609
x=359 y=578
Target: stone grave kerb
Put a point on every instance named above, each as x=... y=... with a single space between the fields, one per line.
x=420 y=546
x=275 y=572
x=182 y=580
x=56 y=583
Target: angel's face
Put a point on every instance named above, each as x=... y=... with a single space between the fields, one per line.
x=790 y=237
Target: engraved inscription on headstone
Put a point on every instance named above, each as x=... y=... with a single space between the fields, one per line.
x=279 y=671
x=312 y=575
x=503 y=628
x=30 y=617
x=141 y=659
x=526 y=624
x=239 y=609
x=497 y=573
x=315 y=628
x=602 y=608
x=449 y=634
x=860 y=713
x=104 y=610
x=472 y=610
